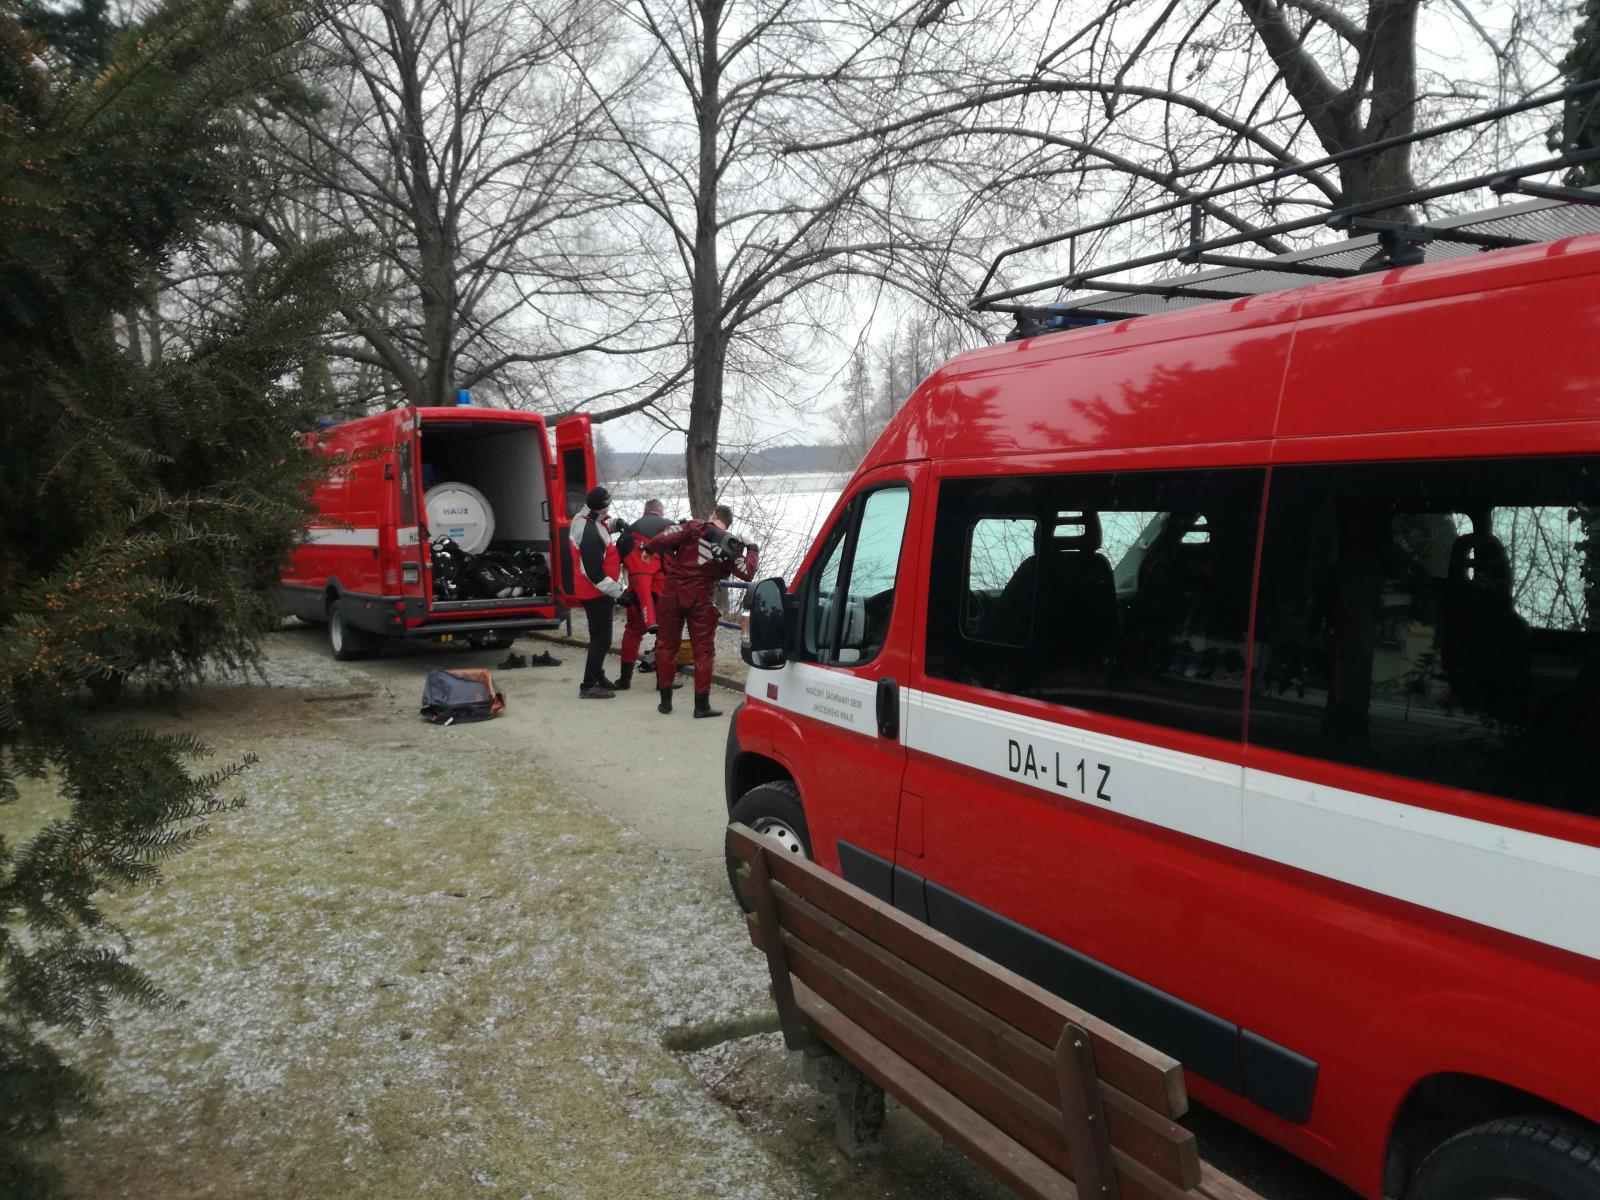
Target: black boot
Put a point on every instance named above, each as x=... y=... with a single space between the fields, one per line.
x=625 y=680
x=702 y=705
x=666 y=700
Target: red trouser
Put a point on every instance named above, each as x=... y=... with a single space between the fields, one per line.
x=647 y=586
x=701 y=616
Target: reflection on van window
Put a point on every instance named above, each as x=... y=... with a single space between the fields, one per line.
x=1123 y=593
x=1434 y=620
x=997 y=548
x=820 y=592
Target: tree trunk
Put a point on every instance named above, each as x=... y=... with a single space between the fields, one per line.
x=1385 y=80
x=435 y=239
x=710 y=338
x=1389 y=74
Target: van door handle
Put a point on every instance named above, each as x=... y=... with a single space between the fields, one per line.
x=888 y=708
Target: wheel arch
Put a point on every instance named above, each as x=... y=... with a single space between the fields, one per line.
x=1446 y=1103
x=748 y=769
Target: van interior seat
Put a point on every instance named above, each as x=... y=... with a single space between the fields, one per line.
x=1066 y=588
x=1175 y=572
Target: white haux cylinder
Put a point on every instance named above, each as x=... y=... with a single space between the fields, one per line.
x=460 y=512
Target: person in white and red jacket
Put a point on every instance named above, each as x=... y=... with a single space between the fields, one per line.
x=596 y=583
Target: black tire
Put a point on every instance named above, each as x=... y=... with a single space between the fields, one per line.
x=772 y=809
x=1514 y=1158
x=347 y=642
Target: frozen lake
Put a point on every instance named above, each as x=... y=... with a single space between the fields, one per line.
x=781 y=513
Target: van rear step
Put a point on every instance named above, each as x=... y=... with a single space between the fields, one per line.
x=509 y=604
x=497 y=625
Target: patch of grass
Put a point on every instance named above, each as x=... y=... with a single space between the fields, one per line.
x=410 y=971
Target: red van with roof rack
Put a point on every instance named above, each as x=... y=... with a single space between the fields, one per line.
x=1234 y=672
x=371 y=562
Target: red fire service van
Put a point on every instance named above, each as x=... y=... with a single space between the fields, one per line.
x=1234 y=672
x=439 y=522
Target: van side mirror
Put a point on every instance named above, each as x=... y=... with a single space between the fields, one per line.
x=765 y=644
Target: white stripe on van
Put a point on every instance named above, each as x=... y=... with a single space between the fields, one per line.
x=341 y=537
x=1524 y=883
x=1537 y=887
x=408 y=536
x=1183 y=792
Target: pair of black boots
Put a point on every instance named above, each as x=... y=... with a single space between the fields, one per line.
x=702 y=703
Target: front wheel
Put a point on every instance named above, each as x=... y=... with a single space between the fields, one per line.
x=1515 y=1158
x=772 y=810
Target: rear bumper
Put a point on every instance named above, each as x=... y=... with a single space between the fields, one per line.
x=409 y=617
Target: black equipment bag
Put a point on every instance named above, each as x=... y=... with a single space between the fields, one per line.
x=451 y=696
x=449 y=568
x=534 y=570
x=490 y=579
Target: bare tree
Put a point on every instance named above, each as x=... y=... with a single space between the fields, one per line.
x=1138 y=101
x=855 y=418
x=755 y=249
x=457 y=136
x=1582 y=64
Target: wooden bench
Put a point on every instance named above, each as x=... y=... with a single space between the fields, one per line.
x=1050 y=1100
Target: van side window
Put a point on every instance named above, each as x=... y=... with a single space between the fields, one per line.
x=1436 y=620
x=850 y=597
x=1124 y=593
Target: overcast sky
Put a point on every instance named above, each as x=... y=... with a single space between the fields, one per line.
x=795 y=410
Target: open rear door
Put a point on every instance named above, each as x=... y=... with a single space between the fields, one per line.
x=574 y=478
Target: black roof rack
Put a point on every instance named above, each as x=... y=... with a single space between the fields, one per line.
x=1554 y=212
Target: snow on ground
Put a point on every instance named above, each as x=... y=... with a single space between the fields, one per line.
x=415 y=967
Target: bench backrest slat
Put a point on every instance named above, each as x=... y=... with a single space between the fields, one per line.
x=987 y=1145
x=1166 y=1148
x=1123 y=1062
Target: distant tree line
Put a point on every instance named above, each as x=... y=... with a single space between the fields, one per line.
x=883 y=372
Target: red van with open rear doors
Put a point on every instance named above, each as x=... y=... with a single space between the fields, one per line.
x=412 y=492
x=1235 y=673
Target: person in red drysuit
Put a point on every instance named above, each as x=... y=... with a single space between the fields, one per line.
x=645 y=583
x=694 y=568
